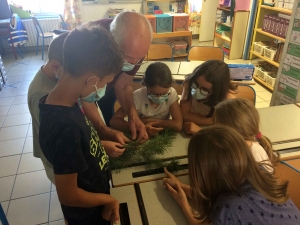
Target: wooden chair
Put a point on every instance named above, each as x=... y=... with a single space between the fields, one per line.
x=162 y=50
x=204 y=53
x=246 y=91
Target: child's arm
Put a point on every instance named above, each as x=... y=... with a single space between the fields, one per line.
x=113 y=149
x=70 y=194
x=175 y=123
x=117 y=121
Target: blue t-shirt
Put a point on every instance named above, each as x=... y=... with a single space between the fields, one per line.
x=249 y=207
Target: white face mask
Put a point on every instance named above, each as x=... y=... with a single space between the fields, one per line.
x=196 y=93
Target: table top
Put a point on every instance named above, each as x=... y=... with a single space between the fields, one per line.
x=174 y=66
x=293 y=163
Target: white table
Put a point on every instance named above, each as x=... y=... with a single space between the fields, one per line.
x=174 y=66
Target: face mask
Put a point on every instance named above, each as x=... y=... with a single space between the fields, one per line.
x=95 y=96
x=158 y=99
x=195 y=92
x=127 y=66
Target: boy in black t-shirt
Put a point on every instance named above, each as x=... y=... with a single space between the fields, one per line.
x=68 y=139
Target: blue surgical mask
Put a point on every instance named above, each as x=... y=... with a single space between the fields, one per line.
x=127 y=66
x=196 y=93
x=95 y=96
x=158 y=99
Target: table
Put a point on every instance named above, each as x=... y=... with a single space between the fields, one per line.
x=174 y=66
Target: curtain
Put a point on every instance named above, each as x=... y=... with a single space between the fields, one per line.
x=72 y=14
x=194 y=11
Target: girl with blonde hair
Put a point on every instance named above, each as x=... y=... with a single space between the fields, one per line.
x=227 y=186
x=241 y=115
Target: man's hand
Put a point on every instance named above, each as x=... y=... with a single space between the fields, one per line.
x=151 y=130
x=137 y=127
x=113 y=149
x=114 y=135
x=191 y=128
x=111 y=212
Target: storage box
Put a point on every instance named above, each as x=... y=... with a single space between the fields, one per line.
x=242 y=5
x=259 y=72
x=152 y=21
x=270 y=80
x=158 y=11
x=163 y=23
x=259 y=47
x=179 y=46
x=241 y=71
x=270 y=52
x=180 y=21
x=225 y=2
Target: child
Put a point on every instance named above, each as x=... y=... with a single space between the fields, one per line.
x=68 y=139
x=154 y=102
x=241 y=115
x=208 y=85
x=228 y=186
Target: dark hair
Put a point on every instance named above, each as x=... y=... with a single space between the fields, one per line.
x=215 y=72
x=159 y=74
x=220 y=162
x=55 y=51
x=91 y=48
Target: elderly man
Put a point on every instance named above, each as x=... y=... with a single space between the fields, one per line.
x=133 y=33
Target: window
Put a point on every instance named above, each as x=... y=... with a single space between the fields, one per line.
x=40 y=6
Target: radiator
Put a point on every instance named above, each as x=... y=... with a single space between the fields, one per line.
x=47 y=24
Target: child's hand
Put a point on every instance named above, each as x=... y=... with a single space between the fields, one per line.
x=151 y=130
x=178 y=194
x=113 y=149
x=191 y=128
x=111 y=212
x=171 y=179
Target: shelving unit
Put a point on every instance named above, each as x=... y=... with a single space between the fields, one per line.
x=260 y=35
x=238 y=34
x=145 y=4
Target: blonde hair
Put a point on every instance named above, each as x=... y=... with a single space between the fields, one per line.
x=241 y=115
x=220 y=162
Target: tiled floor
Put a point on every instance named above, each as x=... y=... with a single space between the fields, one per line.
x=26 y=194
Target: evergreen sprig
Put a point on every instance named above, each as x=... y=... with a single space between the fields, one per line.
x=147 y=154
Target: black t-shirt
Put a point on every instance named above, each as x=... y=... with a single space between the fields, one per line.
x=71 y=144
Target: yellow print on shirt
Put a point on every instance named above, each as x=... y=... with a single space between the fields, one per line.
x=95 y=144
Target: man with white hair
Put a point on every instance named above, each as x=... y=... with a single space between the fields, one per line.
x=133 y=33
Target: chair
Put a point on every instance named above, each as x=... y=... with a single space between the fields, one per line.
x=162 y=50
x=204 y=53
x=246 y=91
x=62 y=22
x=40 y=33
x=3 y=218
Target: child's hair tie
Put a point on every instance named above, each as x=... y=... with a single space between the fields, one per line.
x=258 y=135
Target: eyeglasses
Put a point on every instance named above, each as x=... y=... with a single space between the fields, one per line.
x=160 y=95
x=202 y=90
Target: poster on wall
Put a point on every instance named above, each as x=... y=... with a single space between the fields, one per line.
x=289 y=79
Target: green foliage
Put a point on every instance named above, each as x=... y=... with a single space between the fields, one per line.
x=147 y=154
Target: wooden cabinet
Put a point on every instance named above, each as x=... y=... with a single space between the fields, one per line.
x=234 y=42
x=260 y=35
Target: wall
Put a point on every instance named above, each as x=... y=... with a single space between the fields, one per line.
x=95 y=11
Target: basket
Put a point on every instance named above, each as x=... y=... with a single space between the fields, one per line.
x=259 y=48
x=259 y=72
x=270 y=52
x=270 y=80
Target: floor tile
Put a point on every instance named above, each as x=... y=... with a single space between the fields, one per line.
x=29 y=134
x=14 y=79
x=28 y=147
x=8 y=93
x=2 y=118
x=29 y=184
x=258 y=88
x=53 y=187
x=259 y=99
x=262 y=104
x=25 y=83
x=18 y=109
x=29 y=163
x=11 y=147
x=59 y=222
x=9 y=165
x=18 y=119
x=6 y=101
x=266 y=95
x=4 y=110
x=15 y=73
x=9 y=133
x=30 y=210
x=55 y=208
x=21 y=99
x=32 y=71
x=28 y=77
x=5 y=206
x=17 y=67
x=6 y=186
x=22 y=91
x=34 y=66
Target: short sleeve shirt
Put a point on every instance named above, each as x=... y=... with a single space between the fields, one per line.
x=71 y=144
x=145 y=109
x=249 y=207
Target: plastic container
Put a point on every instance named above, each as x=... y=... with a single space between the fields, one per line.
x=270 y=80
x=152 y=21
x=163 y=23
x=179 y=46
x=259 y=48
x=259 y=72
x=270 y=52
x=158 y=11
x=180 y=21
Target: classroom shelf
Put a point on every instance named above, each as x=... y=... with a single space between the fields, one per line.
x=224 y=24
x=281 y=10
x=173 y=34
x=263 y=83
x=259 y=30
x=220 y=36
x=266 y=59
x=224 y=8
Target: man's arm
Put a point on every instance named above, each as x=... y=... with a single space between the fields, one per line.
x=124 y=90
x=104 y=132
